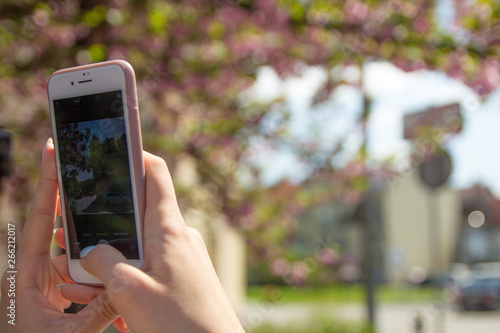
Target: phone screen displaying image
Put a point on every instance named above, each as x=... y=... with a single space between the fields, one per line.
x=95 y=173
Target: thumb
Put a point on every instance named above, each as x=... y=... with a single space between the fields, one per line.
x=110 y=266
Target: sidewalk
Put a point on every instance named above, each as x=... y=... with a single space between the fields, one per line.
x=390 y=318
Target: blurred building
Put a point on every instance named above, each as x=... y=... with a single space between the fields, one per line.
x=417 y=233
x=479 y=236
x=421 y=227
x=467 y=229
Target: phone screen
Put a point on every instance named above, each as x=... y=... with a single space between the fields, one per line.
x=95 y=172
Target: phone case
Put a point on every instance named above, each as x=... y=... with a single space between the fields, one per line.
x=135 y=132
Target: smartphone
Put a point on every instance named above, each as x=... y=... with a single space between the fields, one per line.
x=100 y=165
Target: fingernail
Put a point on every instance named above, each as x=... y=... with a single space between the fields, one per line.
x=46 y=143
x=85 y=251
x=63 y=284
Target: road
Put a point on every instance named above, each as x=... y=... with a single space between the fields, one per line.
x=436 y=317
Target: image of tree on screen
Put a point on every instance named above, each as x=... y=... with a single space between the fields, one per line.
x=95 y=168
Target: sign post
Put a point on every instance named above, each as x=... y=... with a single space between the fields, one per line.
x=434 y=173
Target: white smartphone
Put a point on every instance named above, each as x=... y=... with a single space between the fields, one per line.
x=100 y=165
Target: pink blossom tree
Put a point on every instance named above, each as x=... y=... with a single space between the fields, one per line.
x=193 y=59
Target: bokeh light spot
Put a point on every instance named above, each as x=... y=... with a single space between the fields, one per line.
x=417 y=275
x=476 y=219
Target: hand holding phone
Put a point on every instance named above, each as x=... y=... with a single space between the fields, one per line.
x=178 y=289
x=99 y=159
x=30 y=299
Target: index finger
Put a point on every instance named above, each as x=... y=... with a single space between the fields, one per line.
x=59 y=237
x=39 y=226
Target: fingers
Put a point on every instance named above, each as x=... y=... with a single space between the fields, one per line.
x=40 y=223
x=86 y=294
x=59 y=237
x=161 y=201
x=111 y=267
x=125 y=285
x=159 y=186
x=162 y=217
x=120 y=325
x=95 y=317
x=61 y=266
x=59 y=210
x=79 y=293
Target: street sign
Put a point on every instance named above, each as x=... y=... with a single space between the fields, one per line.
x=435 y=171
x=446 y=117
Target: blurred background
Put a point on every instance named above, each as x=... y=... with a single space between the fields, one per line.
x=339 y=157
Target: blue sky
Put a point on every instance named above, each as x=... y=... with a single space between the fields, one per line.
x=104 y=128
x=473 y=151
x=394 y=93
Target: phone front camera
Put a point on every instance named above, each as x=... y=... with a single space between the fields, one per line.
x=72 y=83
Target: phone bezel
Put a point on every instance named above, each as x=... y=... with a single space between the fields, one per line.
x=87 y=80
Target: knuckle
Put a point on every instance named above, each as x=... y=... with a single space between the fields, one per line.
x=195 y=234
x=196 y=238
x=175 y=230
x=108 y=311
x=106 y=308
x=158 y=162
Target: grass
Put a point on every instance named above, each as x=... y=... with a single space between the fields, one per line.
x=339 y=293
x=321 y=297
x=313 y=325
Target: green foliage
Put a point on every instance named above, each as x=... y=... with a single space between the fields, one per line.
x=95 y=17
x=98 y=52
x=159 y=17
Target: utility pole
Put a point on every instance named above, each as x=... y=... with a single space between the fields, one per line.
x=370 y=218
